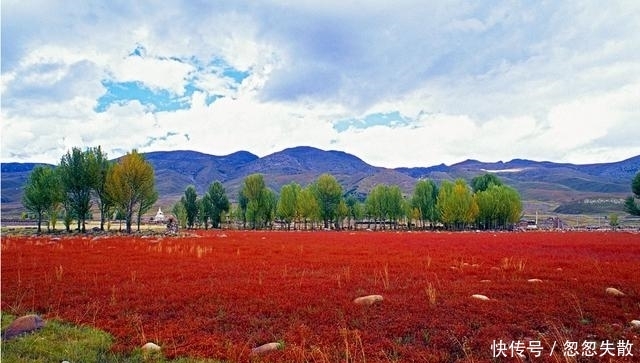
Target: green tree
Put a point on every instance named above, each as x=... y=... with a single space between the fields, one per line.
x=425 y=197
x=215 y=203
x=308 y=204
x=180 y=213
x=394 y=204
x=42 y=192
x=341 y=212
x=613 y=221
x=457 y=205
x=190 y=202
x=261 y=202
x=385 y=204
x=77 y=173
x=374 y=205
x=499 y=206
x=630 y=204
x=147 y=201
x=287 y=208
x=483 y=182
x=129 y=183
x=100 y=166
x=353 y=207
x=328 y=194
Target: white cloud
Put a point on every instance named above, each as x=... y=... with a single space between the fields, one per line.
x=157 y=73
x=475 y=80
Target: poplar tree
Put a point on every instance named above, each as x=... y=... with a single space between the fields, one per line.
x=129 y=184
x=328 y=193
x=630 y=204
x=190 y=202
x=424 y=199
x=77 y=175
x=42 y=192
x=215 y=202
x=287 y=208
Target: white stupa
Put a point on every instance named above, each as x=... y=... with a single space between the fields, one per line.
x=159 y=216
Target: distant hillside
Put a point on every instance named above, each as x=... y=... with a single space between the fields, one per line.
x=543 y=184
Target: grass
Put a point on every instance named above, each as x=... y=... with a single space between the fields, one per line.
x=58 y=341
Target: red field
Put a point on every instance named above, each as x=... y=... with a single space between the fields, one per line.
x=218 y=294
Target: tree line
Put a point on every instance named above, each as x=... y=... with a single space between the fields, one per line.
x=126 y=188
x=68 y=191
x=485 y=204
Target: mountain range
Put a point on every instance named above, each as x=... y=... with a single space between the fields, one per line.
x=544 y=186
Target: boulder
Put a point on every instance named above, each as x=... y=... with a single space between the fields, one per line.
x=264 y=348
x=480 y=297
x=613 y=291
x=635 y=324
x=151 y=347
x=23 y=325
x=367 y=300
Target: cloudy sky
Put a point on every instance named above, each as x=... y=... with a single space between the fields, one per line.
x=397 y=83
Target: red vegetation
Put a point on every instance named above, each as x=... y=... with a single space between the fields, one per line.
x=219 y=295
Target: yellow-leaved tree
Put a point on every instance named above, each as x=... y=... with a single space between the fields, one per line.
x=131 y=186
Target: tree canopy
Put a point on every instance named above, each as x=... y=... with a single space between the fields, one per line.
x=131 y=183
x=630 y=203
x=42 y=192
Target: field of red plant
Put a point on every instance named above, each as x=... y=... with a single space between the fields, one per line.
x=218 y=294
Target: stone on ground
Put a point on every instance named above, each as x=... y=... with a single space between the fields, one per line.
x=367 y=300
x=23 y=325
x=264 y=348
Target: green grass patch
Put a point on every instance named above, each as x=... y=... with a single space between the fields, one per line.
x=58 y=341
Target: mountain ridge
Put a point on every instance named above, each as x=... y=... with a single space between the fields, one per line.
x=537 y=181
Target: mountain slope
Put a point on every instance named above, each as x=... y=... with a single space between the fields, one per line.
x=538 y=182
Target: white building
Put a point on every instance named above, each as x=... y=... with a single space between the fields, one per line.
x=159 y=216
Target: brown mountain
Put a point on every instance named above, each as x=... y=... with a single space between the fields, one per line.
x=543 y=185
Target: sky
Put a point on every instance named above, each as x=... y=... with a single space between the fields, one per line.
x=397 y=83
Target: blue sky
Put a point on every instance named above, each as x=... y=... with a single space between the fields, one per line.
x=404 y=83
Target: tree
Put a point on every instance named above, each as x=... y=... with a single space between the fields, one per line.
x=425 y=196
x=630 y=204
x=130 y=183
x=190 y=202
x=328 y=193
x=613 y=221
x=456 y=204
x=180 y=213
x=42 y=192
x=483 y=182
x=287 y=208
x=100 y=166
x=215 y=203
x=498 y=207
x=260 y=201
x=146 y=202
x=341 y=212
x=353 y=209
x=77 y=173
x=374 y=205
x=308 y=204
x=243 y=203
x=394 y=204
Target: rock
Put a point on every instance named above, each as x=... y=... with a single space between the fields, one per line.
x=534 y=280
x=480 y=297
x=23 y=325
x=613 y=291
x=635 y=323
x=266 y=348
x=367 y=300
x=151 y=347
